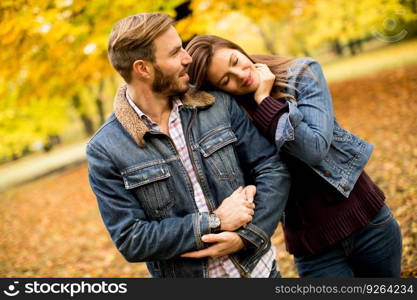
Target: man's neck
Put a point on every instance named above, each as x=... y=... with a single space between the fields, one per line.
x=155 y=105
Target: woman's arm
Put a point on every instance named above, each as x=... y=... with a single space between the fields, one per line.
x=304 y=129
x=313 y=133
x=267 y=115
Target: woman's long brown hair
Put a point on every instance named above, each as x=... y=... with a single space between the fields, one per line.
x=202 y=47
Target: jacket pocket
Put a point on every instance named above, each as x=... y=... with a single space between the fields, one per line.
x=218 y=152
x=153 y=188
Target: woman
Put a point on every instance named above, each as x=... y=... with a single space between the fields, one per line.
x=336 y=223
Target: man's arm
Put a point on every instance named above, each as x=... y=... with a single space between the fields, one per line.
x=135 y=237
x=260 y=163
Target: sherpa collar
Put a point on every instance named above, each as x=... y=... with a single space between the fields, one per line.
x=135 y=126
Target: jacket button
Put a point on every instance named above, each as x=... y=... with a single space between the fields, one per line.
x=346 y=188
x=327 y=174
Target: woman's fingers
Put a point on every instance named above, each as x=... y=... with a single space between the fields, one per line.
x=259 y=65
x=266 y=82
x=250 y=192
x=237 y=191
x=263 y=69
x=250 y=205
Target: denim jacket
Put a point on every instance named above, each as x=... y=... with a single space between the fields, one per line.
x=310 y=132
x=146 y=198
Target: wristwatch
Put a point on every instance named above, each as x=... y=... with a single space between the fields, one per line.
x=214 y=223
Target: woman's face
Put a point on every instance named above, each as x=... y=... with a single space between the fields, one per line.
x=231 y=71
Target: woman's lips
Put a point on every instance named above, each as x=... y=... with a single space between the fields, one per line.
x=248 y=81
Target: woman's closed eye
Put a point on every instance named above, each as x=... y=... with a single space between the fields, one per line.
x=235 y=61
x=225 y=81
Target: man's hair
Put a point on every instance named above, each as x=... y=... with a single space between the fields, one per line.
x=132 y=39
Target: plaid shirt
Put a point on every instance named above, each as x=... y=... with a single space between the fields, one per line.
x=221 y=267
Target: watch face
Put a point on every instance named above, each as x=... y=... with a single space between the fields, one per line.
x=214 y=221
x=217 y=221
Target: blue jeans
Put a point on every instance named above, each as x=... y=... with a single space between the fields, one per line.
x=372 y=251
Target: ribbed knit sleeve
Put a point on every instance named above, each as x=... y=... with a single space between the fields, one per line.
x=267 y=114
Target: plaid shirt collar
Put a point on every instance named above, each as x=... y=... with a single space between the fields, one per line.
x=176 y=102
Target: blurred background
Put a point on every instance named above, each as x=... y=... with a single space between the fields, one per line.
x=57 y=88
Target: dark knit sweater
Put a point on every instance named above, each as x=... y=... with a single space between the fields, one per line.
x=317 y=215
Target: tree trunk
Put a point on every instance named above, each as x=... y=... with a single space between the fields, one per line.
x=86 y=120
x=337 y=48
x=306 y=52
x=100 y=102
x=352 y=49
x=357 y=46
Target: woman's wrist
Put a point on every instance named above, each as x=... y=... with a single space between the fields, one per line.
x=267 y=115
x=260 y=98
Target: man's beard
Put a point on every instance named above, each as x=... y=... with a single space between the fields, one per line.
x=168 y=84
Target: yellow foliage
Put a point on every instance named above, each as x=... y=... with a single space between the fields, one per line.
x=57 y=49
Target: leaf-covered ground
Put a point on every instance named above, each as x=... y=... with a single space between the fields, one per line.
x=52 y=228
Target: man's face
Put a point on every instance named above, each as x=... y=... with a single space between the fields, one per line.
x=170 y=66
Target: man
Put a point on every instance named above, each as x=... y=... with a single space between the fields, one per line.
x=166 y=167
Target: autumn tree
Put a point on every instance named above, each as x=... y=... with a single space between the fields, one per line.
x=54 y=62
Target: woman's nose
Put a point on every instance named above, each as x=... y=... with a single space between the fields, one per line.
x=238 y=72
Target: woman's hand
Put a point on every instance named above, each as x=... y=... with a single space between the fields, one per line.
x=250 y=192
x=237 y=210
x=266 y=82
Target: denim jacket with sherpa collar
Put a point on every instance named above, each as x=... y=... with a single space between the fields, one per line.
x=310 y=132
x=146 y=198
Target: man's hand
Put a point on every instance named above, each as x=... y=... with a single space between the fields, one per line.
x=224 y=243
x=237 y=209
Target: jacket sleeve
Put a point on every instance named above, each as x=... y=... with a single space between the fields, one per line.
x=306 y=132
x=136 y=238
x=261 y=163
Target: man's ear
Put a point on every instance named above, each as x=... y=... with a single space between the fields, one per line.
x=141 y=68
